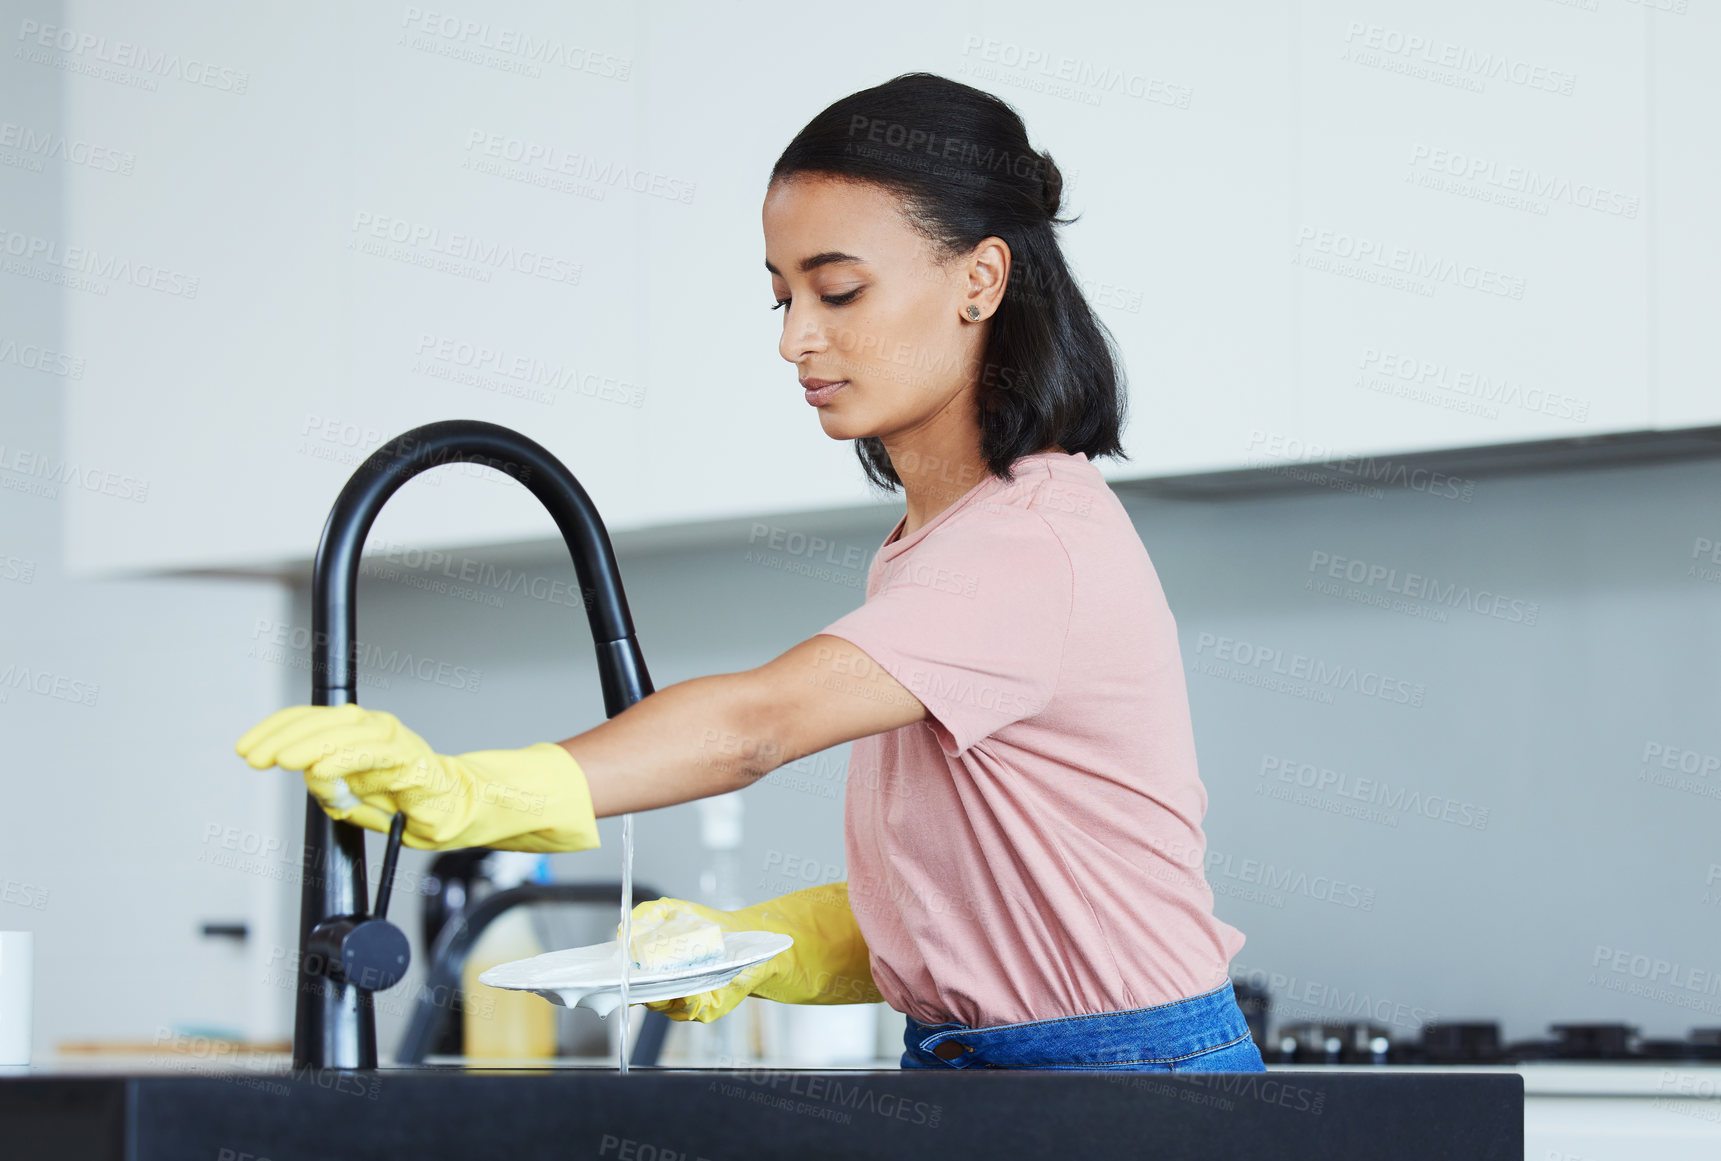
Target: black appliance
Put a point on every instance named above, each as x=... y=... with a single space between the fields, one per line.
x=1478 y=1042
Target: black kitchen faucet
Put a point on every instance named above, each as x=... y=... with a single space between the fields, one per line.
x=345 y=955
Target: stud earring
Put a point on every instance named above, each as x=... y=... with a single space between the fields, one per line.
x=973 y=313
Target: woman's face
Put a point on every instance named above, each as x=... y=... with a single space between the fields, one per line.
x=866 y=304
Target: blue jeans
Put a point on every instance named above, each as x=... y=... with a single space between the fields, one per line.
x=1205 y=1033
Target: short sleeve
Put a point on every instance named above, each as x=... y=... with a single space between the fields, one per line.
x=972 y=621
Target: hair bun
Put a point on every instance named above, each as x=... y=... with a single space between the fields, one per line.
x=1053 y=185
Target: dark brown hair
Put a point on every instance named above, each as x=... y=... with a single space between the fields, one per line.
x=959 y=160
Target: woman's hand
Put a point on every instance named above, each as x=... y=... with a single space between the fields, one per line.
x=828 y=963
x=706 y=1006
x=364 y=766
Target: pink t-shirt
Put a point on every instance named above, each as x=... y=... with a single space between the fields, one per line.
x=1034 y=849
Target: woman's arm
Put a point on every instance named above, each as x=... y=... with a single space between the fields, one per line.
x=711 y=735
x=692 y=740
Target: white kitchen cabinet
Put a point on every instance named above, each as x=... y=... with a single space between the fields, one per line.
x=394 y=222
x=1685 y=171
x=1468 y=229
x=727 y=431
x=1181 y=194
x=393 y=217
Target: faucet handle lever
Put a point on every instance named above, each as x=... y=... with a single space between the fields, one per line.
x=366 y=951
x=390 y=856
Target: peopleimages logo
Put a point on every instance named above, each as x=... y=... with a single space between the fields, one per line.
x=1374 y=792
x=1064 y=75
x=554 y=160
x=1249 y=658
x=1705 y=550
x=47 y=683
x=1522 y=179
x=1418 y=586
x=1320 y=999
x=527 y=370
x=273 y=637
x=1315 y=242
x=1259 y=881
x=96 y=263
x=1308 y=453
x=464 y=247
x=529 y=47
x=125 y=54
x=1377 y=44
x=1281 y=881
x=40 y=143
x=936 y=577
x=17 y=568
x=1478 y=385
x=1655 y=977
x=53 y=470
x=941 y=687
x=35 y=358
x=474 y=580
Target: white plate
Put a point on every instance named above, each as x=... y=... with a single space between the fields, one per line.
x=590 y=977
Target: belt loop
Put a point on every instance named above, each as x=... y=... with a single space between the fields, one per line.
x=951 y=1051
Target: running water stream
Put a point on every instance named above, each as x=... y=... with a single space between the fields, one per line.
x=626 y=930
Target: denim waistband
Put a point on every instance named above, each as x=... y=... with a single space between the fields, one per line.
x=1159 y=1034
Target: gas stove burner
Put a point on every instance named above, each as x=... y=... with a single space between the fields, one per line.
x=1470 y=1042
x=1594 y=1041
x=1675 y=1050
x=1616 y=1042
x=1312 y=1042
x=1478 y=1042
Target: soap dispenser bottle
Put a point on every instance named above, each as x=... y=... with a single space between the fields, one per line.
x=740 y=1036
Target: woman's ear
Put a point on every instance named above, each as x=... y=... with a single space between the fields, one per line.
x=986 y=272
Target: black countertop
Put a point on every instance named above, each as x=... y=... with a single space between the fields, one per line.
x=425 y=1114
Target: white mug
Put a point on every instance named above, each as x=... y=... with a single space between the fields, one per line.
x=17 y=952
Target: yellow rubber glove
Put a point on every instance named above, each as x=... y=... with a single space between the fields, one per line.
x=827 y=965
x=363 y=766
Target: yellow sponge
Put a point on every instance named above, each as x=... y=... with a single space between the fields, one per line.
x=677 y=940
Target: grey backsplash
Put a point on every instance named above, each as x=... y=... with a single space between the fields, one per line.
x=1448 y=786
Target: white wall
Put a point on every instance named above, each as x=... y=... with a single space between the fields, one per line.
x=120 y=702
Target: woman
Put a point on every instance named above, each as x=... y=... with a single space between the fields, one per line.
x=1024 y=846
